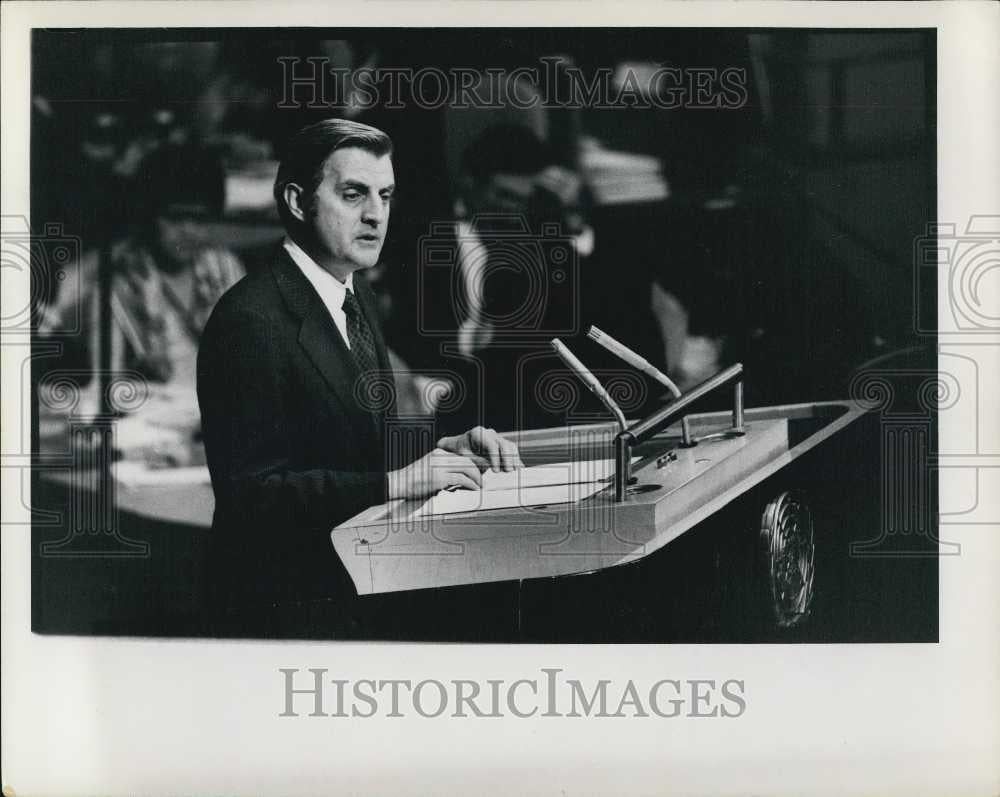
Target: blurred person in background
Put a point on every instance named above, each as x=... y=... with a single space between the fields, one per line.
x=166 y=275
x=511 y=183
x=506 y=296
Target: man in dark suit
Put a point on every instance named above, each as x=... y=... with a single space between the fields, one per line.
x=289 y=384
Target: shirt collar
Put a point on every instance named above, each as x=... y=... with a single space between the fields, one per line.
x=322 y=280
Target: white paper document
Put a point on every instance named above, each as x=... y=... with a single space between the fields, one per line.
x=540 y=485
x=579 y=472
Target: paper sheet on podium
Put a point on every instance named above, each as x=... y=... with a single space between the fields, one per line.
x=535 y=486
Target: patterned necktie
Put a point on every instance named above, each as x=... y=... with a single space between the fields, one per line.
x=360 y=335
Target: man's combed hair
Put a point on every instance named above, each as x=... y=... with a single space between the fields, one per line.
x=309 y=149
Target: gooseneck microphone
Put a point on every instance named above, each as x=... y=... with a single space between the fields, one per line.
x=623 y=352
x=589 y=380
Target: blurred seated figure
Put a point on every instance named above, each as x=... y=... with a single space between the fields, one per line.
x=511 y=189
x=518 y=265
x=166 y=277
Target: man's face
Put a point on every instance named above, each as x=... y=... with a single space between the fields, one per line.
x=349 y=211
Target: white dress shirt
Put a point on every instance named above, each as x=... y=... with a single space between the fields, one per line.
x=331 y=290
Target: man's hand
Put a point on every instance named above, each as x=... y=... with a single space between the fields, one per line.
x=485 y=448
x=432 y=473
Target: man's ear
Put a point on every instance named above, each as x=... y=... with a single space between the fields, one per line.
x=295 y=200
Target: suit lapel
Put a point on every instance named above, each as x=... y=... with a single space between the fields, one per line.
x=319 y=336
x=322 y=343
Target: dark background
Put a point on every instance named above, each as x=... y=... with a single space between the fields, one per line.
x=806 y=276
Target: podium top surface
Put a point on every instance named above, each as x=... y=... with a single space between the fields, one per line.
x=402 y=545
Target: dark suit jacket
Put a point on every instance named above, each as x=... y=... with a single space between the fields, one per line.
x=293 y=444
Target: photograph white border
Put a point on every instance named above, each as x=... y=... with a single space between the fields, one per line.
x=150 y=716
